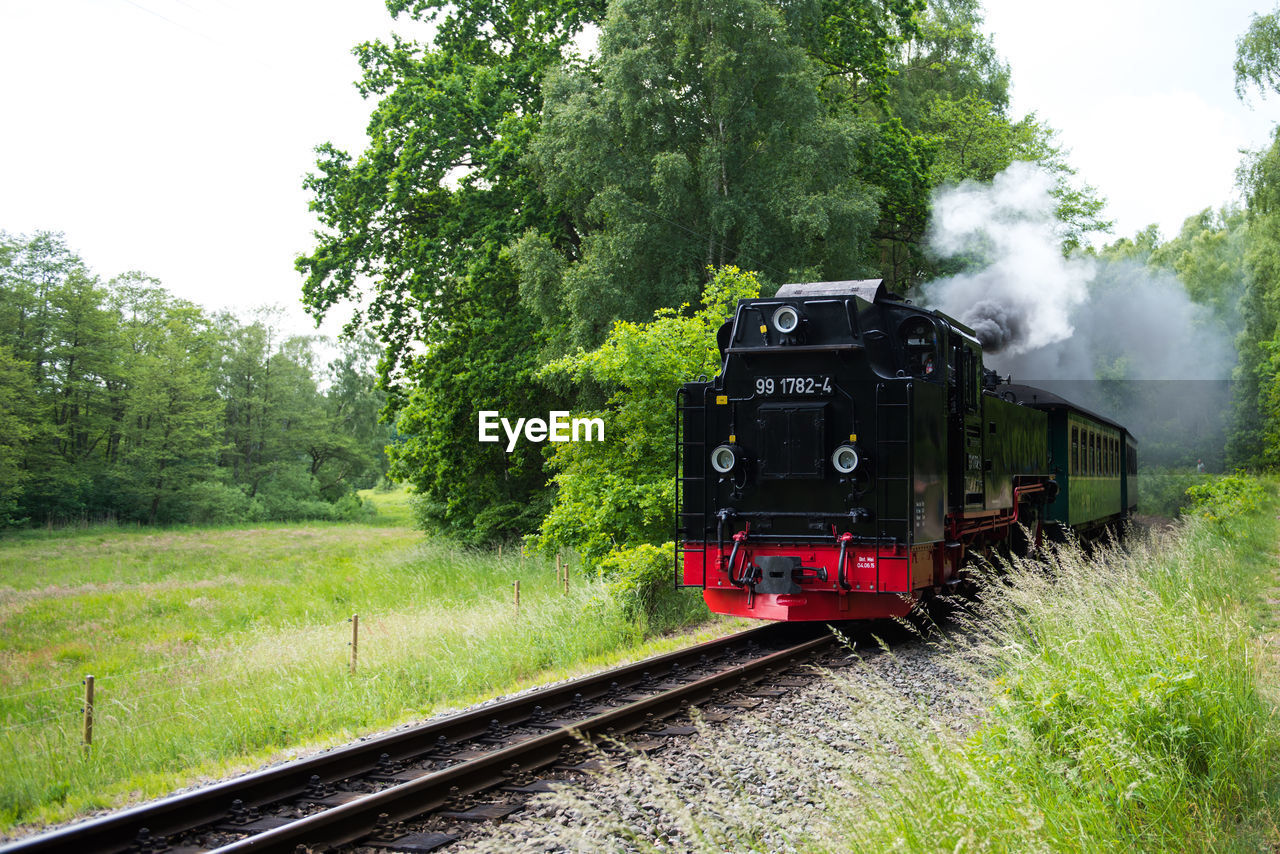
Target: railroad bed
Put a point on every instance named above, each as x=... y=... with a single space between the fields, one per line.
x=388 y=793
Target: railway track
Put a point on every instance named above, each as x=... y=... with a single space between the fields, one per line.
x=364 y=793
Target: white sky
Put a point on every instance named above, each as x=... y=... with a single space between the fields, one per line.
x=172 y=136
x=1142 y=93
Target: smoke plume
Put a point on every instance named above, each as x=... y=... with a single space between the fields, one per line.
x=1114 y=337
x=1019 y=291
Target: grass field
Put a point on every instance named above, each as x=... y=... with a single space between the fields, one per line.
x=218 y=649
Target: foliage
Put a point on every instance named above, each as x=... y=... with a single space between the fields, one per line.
x=17 y=427
x=1258 y=55
x=1128 y=709
x=640 y=580
x=1222 y=499
x=1163 y=491
x=422 y=217
x=947 y=121
x=119 y=401
x=698 y=141
x=621 y=492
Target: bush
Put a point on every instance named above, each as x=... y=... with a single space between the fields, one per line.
x=1227 y=497
x=214 y=503
x=641 y=580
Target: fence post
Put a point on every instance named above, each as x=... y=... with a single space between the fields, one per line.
x=559 y=578
x=517 y=584
x=88 y=713
x=355 y=640
x=566 y=578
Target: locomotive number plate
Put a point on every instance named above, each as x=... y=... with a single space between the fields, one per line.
x=810 y=386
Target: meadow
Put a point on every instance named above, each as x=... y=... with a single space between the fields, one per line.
x=219 y=649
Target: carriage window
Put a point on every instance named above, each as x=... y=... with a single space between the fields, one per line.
x=1075 y=449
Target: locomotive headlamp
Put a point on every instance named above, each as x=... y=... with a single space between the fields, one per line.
x=786 y=320
x=724 y=458
x=845 y=459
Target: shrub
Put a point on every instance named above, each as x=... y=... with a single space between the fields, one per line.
x=641 y=580
x=1227 y=497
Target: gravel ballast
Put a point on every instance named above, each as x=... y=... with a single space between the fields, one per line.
x=765 y=778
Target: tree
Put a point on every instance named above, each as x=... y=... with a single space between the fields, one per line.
x=620 y=493
x=700 y=141
x=1258 y=55
x=172 y=421
x=18 y=426
x=1255 y=439
x=946 y=120
x=423 y=216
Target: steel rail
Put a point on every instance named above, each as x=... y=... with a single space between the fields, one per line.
x=119 y=832
x=358 y=819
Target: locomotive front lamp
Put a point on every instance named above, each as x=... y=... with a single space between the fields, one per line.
x=724 y=458
x=845 y=459
x=786 y=320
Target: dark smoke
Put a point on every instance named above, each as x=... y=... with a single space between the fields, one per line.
x=996 y=325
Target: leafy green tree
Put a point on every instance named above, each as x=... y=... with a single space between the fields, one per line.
x=353 y=407
x=946 y=120
x=172 y=421
x=17 y=428
x=1258 y=55
x=620 y=493
x=1208 y=257
x=1255 y=439
x=700 y=141
x=423 y=216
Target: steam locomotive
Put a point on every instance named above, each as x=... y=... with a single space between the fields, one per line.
x=853 y=455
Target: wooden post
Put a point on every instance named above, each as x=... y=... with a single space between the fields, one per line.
x=88 y=713
x=558 y=576
x=355 y=640
x=566 y=578
x=517 y=585
x=499 y=549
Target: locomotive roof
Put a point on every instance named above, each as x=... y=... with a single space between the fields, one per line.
x=1038 y=398
x=871 y=290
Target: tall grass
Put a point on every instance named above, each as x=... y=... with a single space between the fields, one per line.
x=1127 y=707
x=215 y=650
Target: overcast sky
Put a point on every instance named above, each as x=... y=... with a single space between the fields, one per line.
x=172 y=136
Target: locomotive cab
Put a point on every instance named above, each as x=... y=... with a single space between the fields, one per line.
x=845 y=458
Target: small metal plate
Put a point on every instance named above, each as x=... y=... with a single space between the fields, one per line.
x=745 y=703
x=483 y=812
x=535 y=788
x=647 y=745
x=414 y=843
x=400 y=776
x=675 y=729
x=262 y=825
x=337 y=799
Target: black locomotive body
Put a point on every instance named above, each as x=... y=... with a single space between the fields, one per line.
x=853 y=452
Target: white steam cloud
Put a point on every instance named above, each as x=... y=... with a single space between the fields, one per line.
x=1020 y=292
